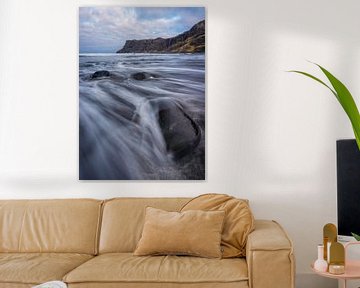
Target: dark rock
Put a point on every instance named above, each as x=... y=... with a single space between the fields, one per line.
x=181 y=133
x=139 y=76
x=100 y=74
x=142 y=76
x=191 y=41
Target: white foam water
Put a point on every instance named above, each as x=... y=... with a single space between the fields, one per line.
x=120 y=134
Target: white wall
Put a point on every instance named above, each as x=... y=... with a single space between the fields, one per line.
x=270 y=134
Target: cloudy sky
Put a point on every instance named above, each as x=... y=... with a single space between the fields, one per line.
x=105 y=29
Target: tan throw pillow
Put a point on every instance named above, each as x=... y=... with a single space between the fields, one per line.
x=239 y=220
x=196 y=233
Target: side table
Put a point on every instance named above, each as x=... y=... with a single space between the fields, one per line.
x=352 y=269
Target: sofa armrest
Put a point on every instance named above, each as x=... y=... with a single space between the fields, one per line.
x=269 y=256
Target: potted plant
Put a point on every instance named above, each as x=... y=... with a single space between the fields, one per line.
x=347 y=102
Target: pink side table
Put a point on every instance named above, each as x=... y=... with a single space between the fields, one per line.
x=352 y=268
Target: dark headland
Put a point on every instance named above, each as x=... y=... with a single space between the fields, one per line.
x=191 y=41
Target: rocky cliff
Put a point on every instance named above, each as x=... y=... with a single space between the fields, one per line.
x=191 y=41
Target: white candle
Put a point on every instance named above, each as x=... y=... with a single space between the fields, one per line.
x=328 y=252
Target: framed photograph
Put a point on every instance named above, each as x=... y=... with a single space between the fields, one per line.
x=142 y=93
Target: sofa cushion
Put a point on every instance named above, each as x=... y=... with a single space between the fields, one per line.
x=193 y=232
x=236 y=284
x=123 y=220
x=239 y=220
x=63 y=226
x=126 y=268
x=36 y=268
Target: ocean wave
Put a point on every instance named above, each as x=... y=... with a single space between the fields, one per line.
x=144 y=119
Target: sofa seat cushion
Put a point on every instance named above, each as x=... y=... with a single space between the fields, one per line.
x=36 y=268
x=125 y=267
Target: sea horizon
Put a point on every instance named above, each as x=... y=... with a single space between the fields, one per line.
x=152 y=53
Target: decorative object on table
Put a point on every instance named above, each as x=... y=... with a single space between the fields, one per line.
x=344 y=97
x=334 y=251
x=336 y=269
x=337 y=258
x=347 y=102
x=320 y=264
x=142 y=101
x=349 y=271
x=51 y=284
x=329 y=236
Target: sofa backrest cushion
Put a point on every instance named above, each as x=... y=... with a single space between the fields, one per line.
x=123 y=220
x=239 y=220
x=64 y=226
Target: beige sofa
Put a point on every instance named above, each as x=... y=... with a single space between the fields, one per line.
x=89 y=243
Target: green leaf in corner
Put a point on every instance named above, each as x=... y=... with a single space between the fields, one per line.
x=344 y=97
x=347 y=102
x=356 y=236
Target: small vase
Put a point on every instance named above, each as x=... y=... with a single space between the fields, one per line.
x=320 y=264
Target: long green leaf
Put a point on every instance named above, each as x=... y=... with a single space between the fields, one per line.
x=357 y=237
x=347 y=102
x=316 y=79
x=344 y=97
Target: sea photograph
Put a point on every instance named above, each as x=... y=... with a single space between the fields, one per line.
x=142 y=93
